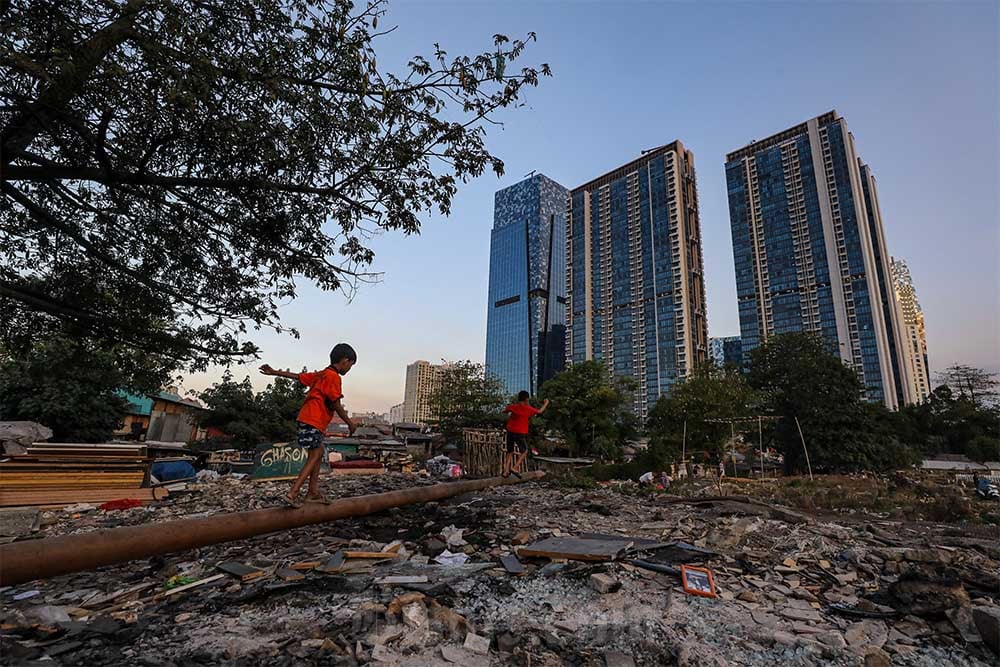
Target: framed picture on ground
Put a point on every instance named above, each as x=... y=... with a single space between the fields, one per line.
x=697 y=581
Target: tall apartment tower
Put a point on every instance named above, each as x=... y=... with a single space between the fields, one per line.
x=727 y=351
x=422 y=378
x=810 y=252
x=636 y=291
x=526 y=316
x=914 y=336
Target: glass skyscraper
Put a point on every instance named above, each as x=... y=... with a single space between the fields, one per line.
x=526 y=320
x=635 y=286
x=810 y=253
x=726 y=351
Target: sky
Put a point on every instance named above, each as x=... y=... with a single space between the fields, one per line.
x=917 y=83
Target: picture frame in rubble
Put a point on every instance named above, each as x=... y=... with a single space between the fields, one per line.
x=698 y=581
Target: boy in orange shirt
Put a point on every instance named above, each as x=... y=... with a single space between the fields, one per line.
x=322 y=400
x=517 y=432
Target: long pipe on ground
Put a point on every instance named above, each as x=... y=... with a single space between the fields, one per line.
x=49 y=557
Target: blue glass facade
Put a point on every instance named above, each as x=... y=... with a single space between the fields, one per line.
x=526 y=316
x=726 y=351
x=636 y=288
x=809 y=250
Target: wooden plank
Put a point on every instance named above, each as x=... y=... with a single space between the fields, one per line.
x=342 y=472
x=374 y=555
x=637 y=542
x=289 y=574
x=306 y=565
x=187 y=587
x=573 y=548
x=241 y=571
x=63 y=497
x=396 y=580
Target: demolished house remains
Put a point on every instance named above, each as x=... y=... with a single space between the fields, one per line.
x=531 y=573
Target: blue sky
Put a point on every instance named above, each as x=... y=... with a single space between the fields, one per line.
x=916 y=81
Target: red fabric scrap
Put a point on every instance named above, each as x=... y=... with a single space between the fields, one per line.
x=121 y=504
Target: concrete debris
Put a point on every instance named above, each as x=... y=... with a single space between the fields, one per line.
x=525 y=579
x=876 y=657
x=17 y=436
x=477 y=644
x=603 y=584
x=987 y=620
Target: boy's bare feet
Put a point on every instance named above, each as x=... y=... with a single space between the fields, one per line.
x=292 y=502
x=320 y=499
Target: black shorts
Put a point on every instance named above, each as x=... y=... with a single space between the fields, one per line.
x=517 y=442
x=309 y=436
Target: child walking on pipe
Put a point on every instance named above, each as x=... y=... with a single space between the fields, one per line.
x=517 y=432
x=317 y=411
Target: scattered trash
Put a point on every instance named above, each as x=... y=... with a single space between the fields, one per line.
x=521 y=574
x=120 y=504
x=207 y=476
x=449 y=558
x=26 y=595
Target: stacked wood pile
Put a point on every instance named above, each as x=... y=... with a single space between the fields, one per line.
x=484 y=451
x=57 y=474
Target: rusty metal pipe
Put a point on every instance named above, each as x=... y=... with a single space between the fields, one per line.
x=49 y=557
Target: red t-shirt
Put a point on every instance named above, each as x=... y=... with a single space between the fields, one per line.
x=519 y=416
x=324 y=391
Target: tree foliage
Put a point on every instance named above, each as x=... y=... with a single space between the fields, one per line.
x=699 y=401
x=73 y=386
x=977 y=385
x=950 y=423
x=248 y=418
x=800 y=378
x=466 y=396
x=184 y=164
x=591 y=413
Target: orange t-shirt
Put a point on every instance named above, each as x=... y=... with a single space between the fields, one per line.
x=324 y=391
x=519 y=416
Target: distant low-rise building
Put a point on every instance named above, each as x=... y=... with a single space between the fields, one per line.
x=369 y=417
x=164 y=416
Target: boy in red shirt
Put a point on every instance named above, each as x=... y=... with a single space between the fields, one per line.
x=517 y=432
x=321 y=402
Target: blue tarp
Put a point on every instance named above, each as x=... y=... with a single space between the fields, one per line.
x=170 y=470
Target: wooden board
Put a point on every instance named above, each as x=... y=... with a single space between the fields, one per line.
x=574 y=548
x=305 y=565
x=376 y=555
x=341 y=472
x=64 y=497
x=187 y=587
x=238 y=569
x=289 y=574
x=278 y=461
x=636 y=542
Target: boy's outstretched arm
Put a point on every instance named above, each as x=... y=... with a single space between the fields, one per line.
x=267 y=370
x=545 y=405
x=339 y=409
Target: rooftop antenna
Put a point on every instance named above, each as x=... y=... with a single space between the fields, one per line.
x=530 y=173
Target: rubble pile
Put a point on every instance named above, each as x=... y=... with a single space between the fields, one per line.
x=456 y=583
